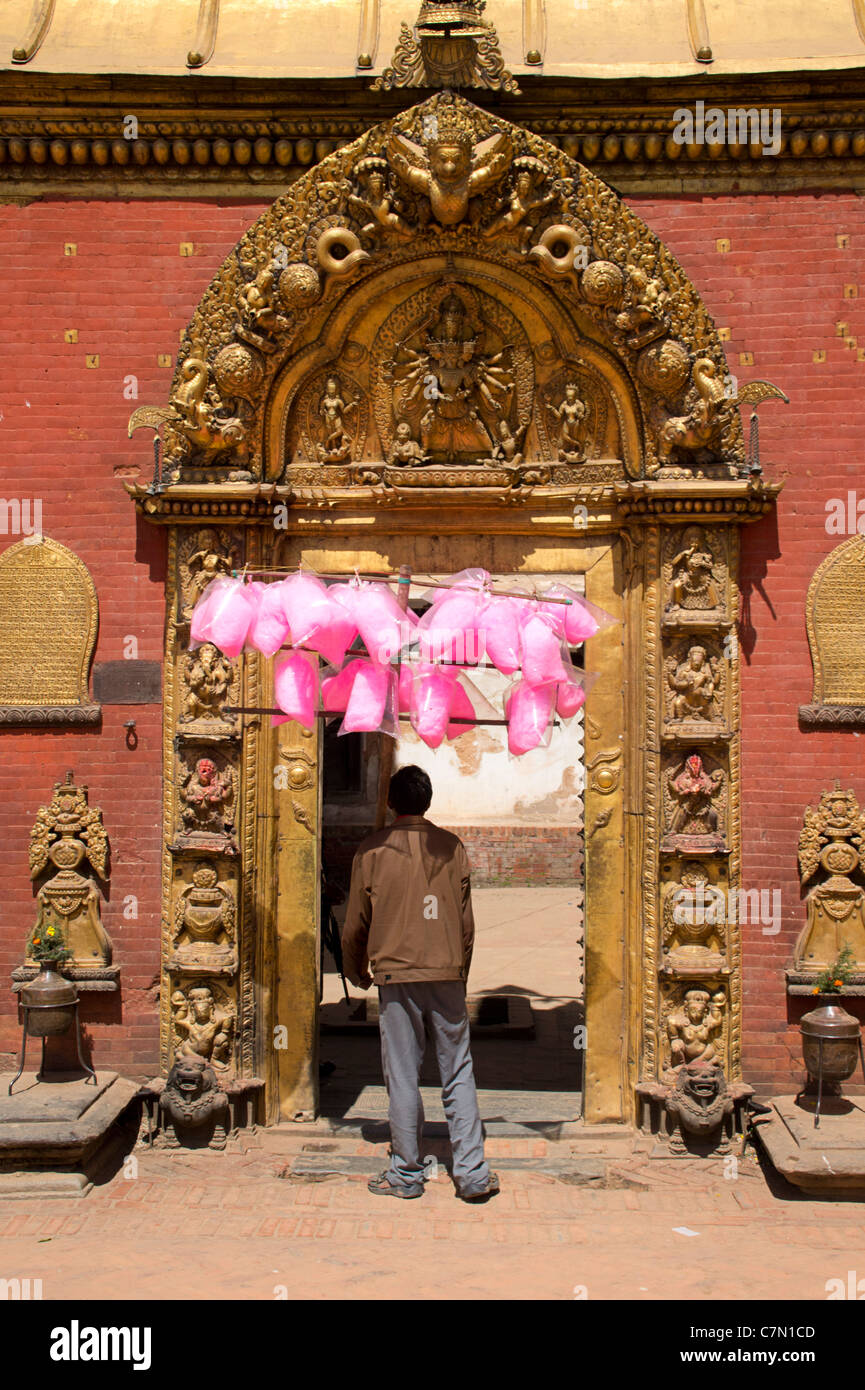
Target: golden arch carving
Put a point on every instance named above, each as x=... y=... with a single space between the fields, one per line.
x=450 y=252
x=530 y=210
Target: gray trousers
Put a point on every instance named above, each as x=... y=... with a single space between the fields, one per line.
x=407 y=1015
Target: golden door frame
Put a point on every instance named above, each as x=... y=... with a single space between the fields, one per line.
x=336 y=275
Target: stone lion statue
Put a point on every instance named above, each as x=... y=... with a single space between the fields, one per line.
x=193 y=1104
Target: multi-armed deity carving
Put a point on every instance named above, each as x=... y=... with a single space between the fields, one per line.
x=444 y=369
x=694 y=1024
x=832 y=844
x=696 y=686
x=209 y=680
x=694 y=805
x=694 y=581
x=66 y=833
x=207 y=805
x=204 y=1018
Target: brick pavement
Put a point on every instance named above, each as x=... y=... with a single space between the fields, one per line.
x=228 y=1226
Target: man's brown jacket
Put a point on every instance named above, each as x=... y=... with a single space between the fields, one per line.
x=409 y=915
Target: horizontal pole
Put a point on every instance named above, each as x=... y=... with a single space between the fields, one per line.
x=387 y=578
x=334 y=714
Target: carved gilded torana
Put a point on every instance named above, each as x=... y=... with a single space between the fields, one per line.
x=449 y=344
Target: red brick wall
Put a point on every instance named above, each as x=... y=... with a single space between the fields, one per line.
x=128 y=292
x=501 y=856
x=781 y=291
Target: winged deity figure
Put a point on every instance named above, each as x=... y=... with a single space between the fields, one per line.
x=449 y=168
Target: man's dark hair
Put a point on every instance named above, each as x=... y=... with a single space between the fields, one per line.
x=410 y=791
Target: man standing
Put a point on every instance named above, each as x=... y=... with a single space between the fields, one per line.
x=409 y=922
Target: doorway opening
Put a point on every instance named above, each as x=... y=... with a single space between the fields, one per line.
x=522 y=821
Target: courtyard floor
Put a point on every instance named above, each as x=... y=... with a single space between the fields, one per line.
x=285 y=1212
x=232 y=1226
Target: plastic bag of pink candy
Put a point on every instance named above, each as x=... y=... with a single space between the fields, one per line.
x=295 y=689
x=529 y=710
x=315 y=618
x=384 y=627
x=371 y=706
x=336 y=688
x=365 y=694
x=223 y=615
x=545 y=660
x=500 y=625
x=576 y=620
x=269 y=629
x=433 y=695
x=451 y=629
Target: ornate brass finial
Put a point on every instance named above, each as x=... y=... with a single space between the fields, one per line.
x=451 y=46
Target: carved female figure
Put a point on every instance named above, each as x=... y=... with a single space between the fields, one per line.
x=337 y=441
x=570 y=414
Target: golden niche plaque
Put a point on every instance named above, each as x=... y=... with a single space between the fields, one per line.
x=835 y=615
x=48 y=621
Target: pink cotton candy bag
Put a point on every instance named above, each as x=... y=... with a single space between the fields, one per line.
x=223 y=615
x=368 y=700
x=380 y=621
x=570 y=698
x=500 y=622
x=306 y=606
x=528 y=709
x=541 y=651
x=432 y=700
x=269 y=628
x=295 y=688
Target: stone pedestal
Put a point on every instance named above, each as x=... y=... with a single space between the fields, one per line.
x=56 y=1136
x=828 y=1161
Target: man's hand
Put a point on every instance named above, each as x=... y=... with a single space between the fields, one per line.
x=365 y=980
